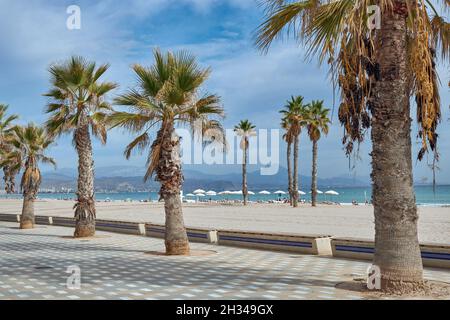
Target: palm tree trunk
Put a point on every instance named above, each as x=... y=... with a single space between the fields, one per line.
x=85 y=205
x=314 y=174
x=169 y=174
x=244 y=173
x=289 y=170
x=295 y=176
x=5 y=179
x=10 y=180
x=27 y=217
x=397 y=251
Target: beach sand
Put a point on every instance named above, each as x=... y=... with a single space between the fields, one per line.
x=340 y=221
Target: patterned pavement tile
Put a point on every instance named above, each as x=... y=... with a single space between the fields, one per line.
x=34 y=265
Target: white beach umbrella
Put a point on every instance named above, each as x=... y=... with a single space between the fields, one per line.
x=250 y=193
x=225 y=192
x=199 y=195
x=211 y=193
x=199 y=191
x=264 y=192
x=332 y=192
x=190 y=195
x=237 y=192
x=301 y=192
x=279 y=192
x=318 y=192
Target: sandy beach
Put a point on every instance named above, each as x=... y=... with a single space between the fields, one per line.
x=340 y=221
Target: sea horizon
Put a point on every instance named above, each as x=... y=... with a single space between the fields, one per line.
x=347 y=195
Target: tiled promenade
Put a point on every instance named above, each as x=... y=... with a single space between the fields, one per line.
x=33 y=265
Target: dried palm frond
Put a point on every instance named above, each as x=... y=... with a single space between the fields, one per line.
x=425 y=81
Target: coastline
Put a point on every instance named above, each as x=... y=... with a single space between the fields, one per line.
x=147 y=197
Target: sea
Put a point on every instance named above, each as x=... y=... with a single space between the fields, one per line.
x=424 y=196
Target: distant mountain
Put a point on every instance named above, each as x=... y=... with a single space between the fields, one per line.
x=102 y=172
x=279 y=180
x=129 y=178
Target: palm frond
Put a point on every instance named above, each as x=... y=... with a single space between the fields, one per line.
x=99 y=130
x=133 y=122
x=441 y=35
x=139 y=143
x=153 y=159
x=283 y=16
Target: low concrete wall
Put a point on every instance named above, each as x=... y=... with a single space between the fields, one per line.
x=120 y=227
x=43 y=220
x=64 y=221
x=310 y=244
x=9 y=217
x=352 y=248
x=194 y=234
x=433 y=255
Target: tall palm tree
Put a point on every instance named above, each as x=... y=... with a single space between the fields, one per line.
x=317 y=122
x=294 y=119
x=245 y=129
x=6 y=123
x=28 y=146
x=289 y=138
x=78 y=104
x=378 y=70
x=168 y=95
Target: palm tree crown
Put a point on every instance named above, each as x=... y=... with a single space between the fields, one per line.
x=293 y=116
x=9 y=170
x=167 y=94
x=77 y=97
x=245 y=129
x=317 y=120
x=6 y=125
x=244 y=126
x=5 y=121
x=28 y=146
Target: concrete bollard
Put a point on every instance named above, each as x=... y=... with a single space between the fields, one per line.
x=212 y=237
x=141 y=227
x=322 y=246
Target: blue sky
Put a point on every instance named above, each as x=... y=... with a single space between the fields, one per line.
x=254 y=86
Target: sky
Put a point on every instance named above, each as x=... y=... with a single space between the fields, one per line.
x=253 y=86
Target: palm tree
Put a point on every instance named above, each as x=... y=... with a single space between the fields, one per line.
x=245 y=129
x=317 y=122
x=28 y=146
x=78 y=104
x=6 y=123
x=168 y=95
x=294 y=119
x=378 y=71
x=289 y=138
